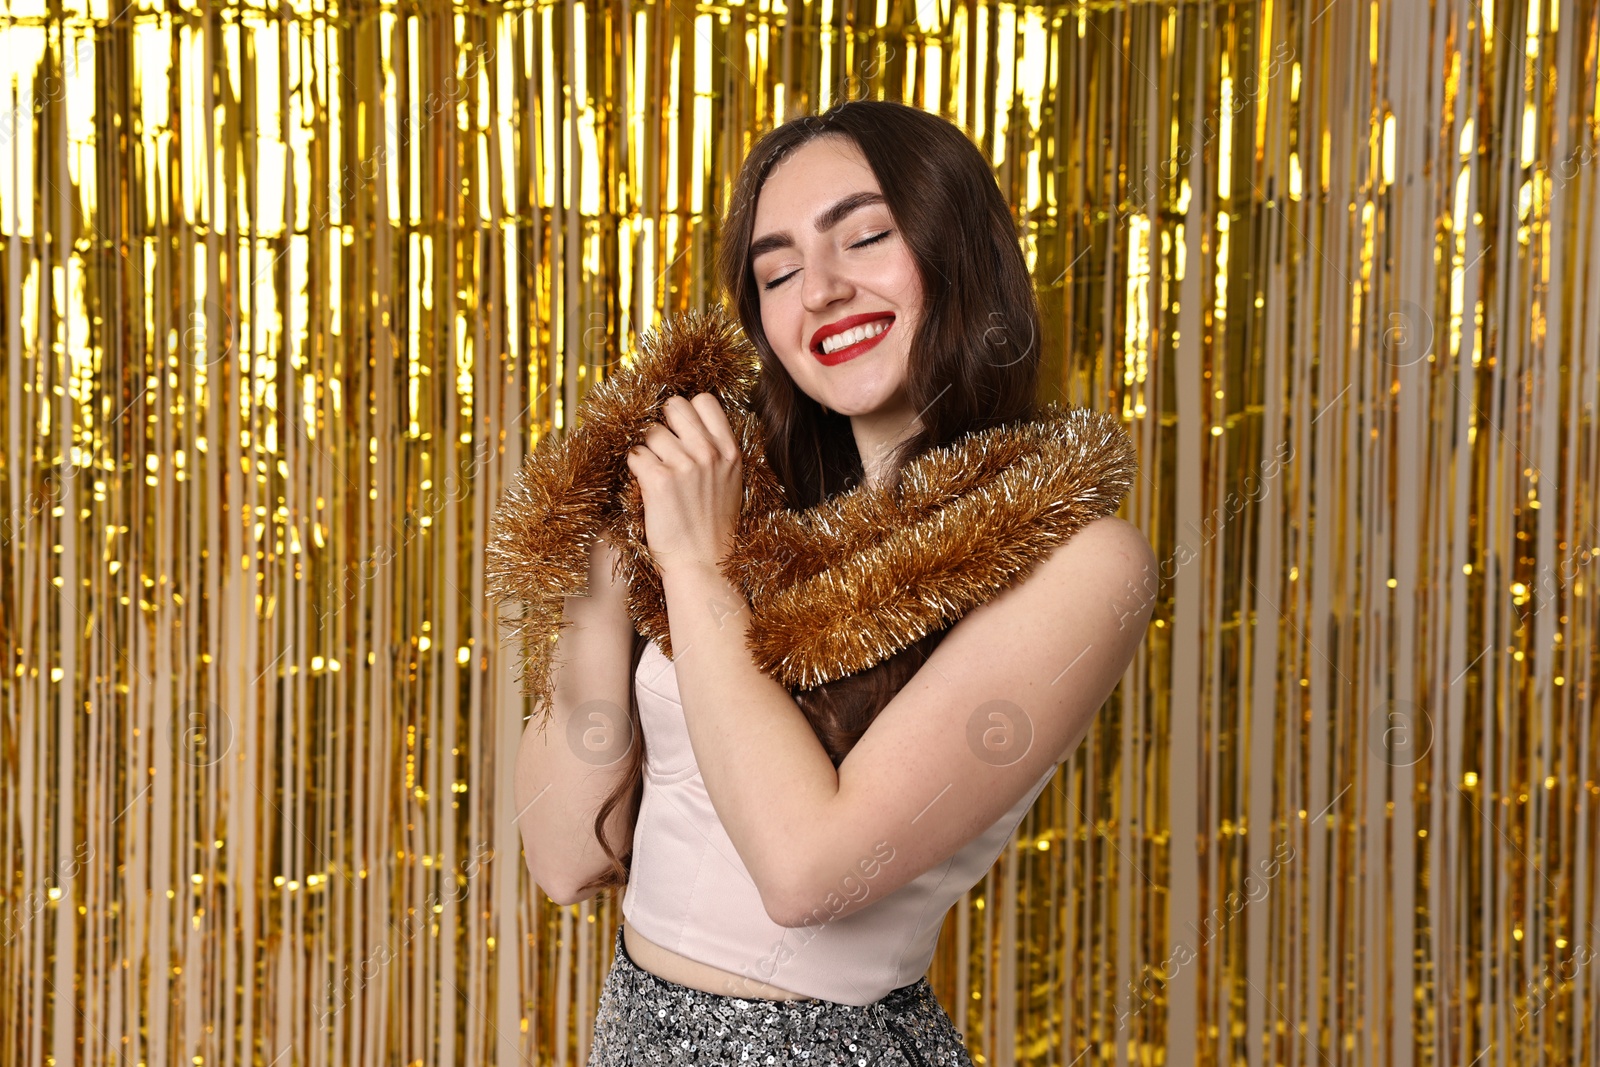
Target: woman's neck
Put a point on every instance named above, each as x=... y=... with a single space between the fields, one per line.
x=877 y=435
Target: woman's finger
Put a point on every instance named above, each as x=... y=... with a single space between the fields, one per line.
x=692 y=437
x=641 y=458
x=715 y=421
x=663 y=442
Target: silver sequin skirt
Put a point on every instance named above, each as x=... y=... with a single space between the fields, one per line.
x=644 y=1019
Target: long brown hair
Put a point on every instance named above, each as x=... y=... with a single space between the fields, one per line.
x=974 y=365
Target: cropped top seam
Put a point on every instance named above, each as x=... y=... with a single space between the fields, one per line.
x=922 y=916
x=670 y=777
x=699 y=869
x=653 y=692
x=709 y=844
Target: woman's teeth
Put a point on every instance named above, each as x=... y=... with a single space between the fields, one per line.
x=858 y=333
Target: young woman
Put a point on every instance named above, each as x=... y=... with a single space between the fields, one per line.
x=795 y=847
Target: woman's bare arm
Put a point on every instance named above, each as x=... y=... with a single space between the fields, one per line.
x=565 y=772
x=1013 y=686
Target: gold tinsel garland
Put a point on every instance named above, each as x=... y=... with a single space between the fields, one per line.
x=833 y=589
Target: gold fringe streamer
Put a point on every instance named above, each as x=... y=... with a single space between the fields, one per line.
x=289 y=292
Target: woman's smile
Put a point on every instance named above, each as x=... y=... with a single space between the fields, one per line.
x=850 y=337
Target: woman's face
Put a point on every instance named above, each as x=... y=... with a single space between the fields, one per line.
x=840 y=294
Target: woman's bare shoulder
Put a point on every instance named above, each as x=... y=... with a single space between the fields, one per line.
x=1109 y=542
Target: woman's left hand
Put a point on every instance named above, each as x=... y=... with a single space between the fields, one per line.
x=691 y=479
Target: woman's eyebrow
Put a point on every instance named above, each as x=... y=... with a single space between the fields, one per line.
x=826 y=220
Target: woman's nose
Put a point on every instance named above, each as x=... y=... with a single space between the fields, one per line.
x=822 y=283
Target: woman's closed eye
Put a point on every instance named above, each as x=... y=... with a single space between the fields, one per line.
x=874 y=239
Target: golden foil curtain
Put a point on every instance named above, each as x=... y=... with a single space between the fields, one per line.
x=290 y=290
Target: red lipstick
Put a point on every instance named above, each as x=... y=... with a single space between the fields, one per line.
x=840 y=355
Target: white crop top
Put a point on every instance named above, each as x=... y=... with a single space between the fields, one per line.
x=688 y=890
